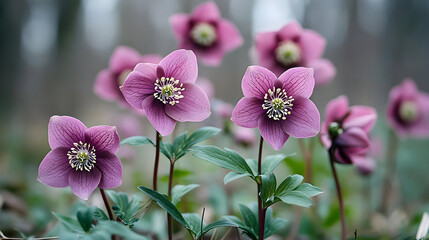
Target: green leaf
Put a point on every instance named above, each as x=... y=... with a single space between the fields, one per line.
x=165 y=204
x=201 y=134
x=274 y=226
x=231 y=176
x=69 y=223
x=247 y=230
x=271 y=162
x=268 y=187
x=227 y=159
x=166 y=149
x=180 y=190
x=250 y=219
x=137 y=141
x=309 y=189
x=125 y=208
x=105 y=229
x=194 y=222
x=100 y=214
x=253 y=164
x=217 y=224
x=179 y=148
x=290 y=183
x=85 y=216
x=296 y=198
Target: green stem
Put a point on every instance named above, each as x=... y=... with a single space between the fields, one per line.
x=261 y=209
x=155 y=168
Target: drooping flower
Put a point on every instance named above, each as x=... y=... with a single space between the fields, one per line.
x=122 y=62
x=82 y=158
x=167 y=91
x=279 y=107
x=293 y=46
x=206 y=33
x=349 y=127
x=408 y=110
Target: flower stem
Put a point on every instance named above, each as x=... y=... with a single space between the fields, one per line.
x=261 y=210
x=106 y=203
x=340 y=196
x=389 y=175
x=155 y=168
x=170 y=186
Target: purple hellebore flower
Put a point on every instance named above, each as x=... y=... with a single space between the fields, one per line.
x=293 y=46
x=122 y=62
x=349 y=128
x=408 y=110
x=206 y=33
x=167 y=91
x=82 y=158
x=278 y=106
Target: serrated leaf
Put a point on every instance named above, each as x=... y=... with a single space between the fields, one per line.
x=194 y=222
x=69 y=223
x=227 y=159
x=231 y=176
x=268 y=188
x=309 y=189
x=85 y=216
x=136 y=141
x=289 y=184
x=250 y=219
x=180 y=190
x=296 y=198
x=165 y=204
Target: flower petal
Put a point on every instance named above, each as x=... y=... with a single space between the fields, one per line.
x=55 y=169
x=180 y=24
x=336 y=109
x=364 y=164
x=304 y=120
x=256 y=81
x=272 y=132
x=247 y=112
x=289 y=31
x=353 y=137
x=157 y=116
x=265 y=44
x=151 y=58
x=181 y=65
x=229 y=36
x=63 y=131
x=313 y=45
x=139 y=84
x=83 y=183
x=103 y=138
x=206 y=12
x=324 y=71
x=194 y=106
x=106 y=86
x=123 y=58
x=298 y=81
x=111 y=170
x=361 y=116
x=210 y=57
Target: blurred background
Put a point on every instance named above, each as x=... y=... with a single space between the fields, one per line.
x=51 y=52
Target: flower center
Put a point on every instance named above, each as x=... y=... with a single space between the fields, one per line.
x=168 y=90
x=82 y=156
x=203 y=34
x=122 y=77
x=277 y=103
x=288 y=53
x=408 y=111
x=335 y=129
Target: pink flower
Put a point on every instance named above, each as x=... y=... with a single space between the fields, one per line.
x=348 y=127
x=206 y=33
x=206 y=85
x=167 y=91
x=223 y=109
x=82 y=158
x=408 y=110
x=122 y=62
x=244 y=136
x=293 y=46
x=278 y=106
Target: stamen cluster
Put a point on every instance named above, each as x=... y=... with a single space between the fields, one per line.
x=82 y=156
x=277 y=103
x=168 y=90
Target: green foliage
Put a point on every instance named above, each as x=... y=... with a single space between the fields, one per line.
x=180 y=190
x=137 y=141
x=126 y=209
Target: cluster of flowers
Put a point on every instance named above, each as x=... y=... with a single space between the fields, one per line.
x=276 y=100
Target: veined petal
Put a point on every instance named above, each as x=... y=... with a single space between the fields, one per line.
x=313 y=45
x=83 y=183
x=304 y=120
x=272 y=132
x=298 y=81
x=123 y=58
x=247 y=112
x=206 y=12
x=55 y=169
x=111 y=170
x=106 y=86
x=229 y=35
x=103 y=138
x=139 y=84
x=256 y=81
x=324 y=71
x=194 y=106
x=361 y=116
x=180 y=24
x=157 y=117
x=181 y=65
x=63 y=131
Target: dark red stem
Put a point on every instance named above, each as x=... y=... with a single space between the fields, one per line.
x=155 y=168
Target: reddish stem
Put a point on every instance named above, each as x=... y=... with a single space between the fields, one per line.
x=155 y=168
x=340 y=196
